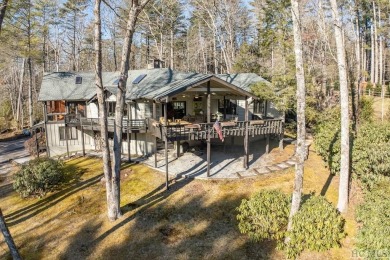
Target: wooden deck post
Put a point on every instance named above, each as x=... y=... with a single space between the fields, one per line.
x=46 y=134
x=166 y=143
x=37 y=142
x=224 y=107
x=178 y=148
x=136 y=143
x=246 y=137
x=66 y=139
x=154 y=116
x=155 y=152
x=82 y=139
x=281 y=136
x=208 y=128
x=128 y=131
x=267 y=144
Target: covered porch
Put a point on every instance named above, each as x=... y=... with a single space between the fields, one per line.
x=209 y=109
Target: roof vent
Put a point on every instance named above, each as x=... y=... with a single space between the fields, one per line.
x=79 y=80
x=139 y=78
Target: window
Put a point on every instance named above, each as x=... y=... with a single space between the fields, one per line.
x=230 y=106
x=76 y=108
x=111 y=109
x=55 y=110
x=176 y=109
x=56 y=107
x=179 y=109
x=72 y=133
x=258 y=107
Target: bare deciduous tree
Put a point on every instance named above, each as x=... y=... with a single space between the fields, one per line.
x=8 y=238
x=301 y=103
x=134 y=11
x=3 y=8
x=344 y=96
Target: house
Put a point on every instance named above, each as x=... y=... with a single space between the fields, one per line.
x=193 y=102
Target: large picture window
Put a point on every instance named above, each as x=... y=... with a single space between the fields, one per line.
x=230 y=106
x=176 y=109
x=72 y=133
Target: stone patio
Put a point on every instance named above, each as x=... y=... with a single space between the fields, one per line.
x=225 y=163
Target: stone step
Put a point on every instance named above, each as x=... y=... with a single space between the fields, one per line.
x=262 y=170
x=283 y=165
x=273 y=168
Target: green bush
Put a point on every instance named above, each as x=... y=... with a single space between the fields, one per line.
x=38 y=177
x=374 y=217
x=317 y=226
x=366 y=108
x=327 y=139
x=371 y=153
x=264 y=216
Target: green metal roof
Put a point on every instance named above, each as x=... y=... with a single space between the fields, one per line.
x=156 y=84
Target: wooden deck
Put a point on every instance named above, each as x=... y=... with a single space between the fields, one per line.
x=181 y=132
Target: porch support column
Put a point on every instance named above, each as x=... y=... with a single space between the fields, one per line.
x=154 y=116
x=224 y=108
x=155 y=152
x=66 y=128
x=246 y=137
x=46 y=134
x=37 y=142
x=128 y=132
x=208 y=128
x=281 y=135
x=66 y=139
x=267 y=144
x=166 y=143
x=82 y=139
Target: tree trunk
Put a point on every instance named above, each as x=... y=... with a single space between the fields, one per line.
x=8 y=238
x=376 y=80
x=341 y=61
x=171 y=50
x=134 y=11
x=380 y=78
x=301 y=103
x=372 y=59
x=19 y=102
x=3 y=8
x=30 y=95
x=111 y=203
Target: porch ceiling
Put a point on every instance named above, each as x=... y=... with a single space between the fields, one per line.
x=198 y=86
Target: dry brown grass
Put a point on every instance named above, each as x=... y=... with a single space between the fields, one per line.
x=378 y=107
x=194 y=219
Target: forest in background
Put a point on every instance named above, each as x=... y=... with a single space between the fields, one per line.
x=203 y=36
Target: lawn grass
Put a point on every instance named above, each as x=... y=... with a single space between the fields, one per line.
x=378 y=107
x=194 y=219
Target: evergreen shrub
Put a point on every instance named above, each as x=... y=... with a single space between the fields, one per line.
x=317 y=226
x=38 y=177
x=264 y=216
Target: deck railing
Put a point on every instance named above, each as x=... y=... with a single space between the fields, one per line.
x=94 y=124
x=178 y=132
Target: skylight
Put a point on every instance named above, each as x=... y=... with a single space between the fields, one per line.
x=139 y=78
x=79 y=79
x=116 y=82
